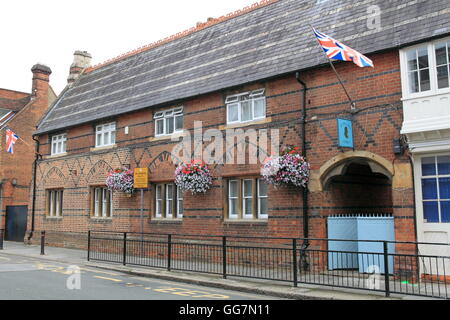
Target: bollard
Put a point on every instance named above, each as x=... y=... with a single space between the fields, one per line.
x=1 y=239
x=42 y=243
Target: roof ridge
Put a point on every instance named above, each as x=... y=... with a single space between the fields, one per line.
x=182 y=34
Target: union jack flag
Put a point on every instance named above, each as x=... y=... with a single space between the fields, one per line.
x=11 y=139
x=339 y=51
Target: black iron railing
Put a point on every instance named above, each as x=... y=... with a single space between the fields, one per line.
x=387 y=266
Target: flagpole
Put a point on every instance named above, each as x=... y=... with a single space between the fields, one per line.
x=352 y=103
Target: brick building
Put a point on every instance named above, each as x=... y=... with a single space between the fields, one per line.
x=20 y=111
x=123 y=113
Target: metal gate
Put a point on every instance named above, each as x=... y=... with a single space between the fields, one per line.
x=16 y=223
x=353 y=252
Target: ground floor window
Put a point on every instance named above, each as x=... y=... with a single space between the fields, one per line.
x=246 y=198
x=168 y=201
x=101 y=202
x=436 y=188
x=54 y=202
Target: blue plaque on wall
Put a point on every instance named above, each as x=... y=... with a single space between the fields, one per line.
x=345 y=133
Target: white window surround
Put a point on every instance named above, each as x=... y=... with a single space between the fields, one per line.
x=246 y=107
x=168 y=202
x=105 y=134
x=58 y=144
x=55 y=202
x=430 y=46
x=103 y=204
x=168 y=122
x=247 y=199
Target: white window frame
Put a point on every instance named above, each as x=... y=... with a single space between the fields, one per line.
x=179 y=203
x=164 y=117
x=436 y=176
x=158 y=200
x=169 y=200
x=251 y=97
x=103 y=129
x=101 y=202
x=434 y=90
x=233 y=215
x=55 y=199
x=166 y=205
x=244 y=197
x=58 y=142
x=259 y=196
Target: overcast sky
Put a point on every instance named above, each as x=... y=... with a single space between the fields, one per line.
x=49 y=31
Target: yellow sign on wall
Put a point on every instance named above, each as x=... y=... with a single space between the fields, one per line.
x=140 y=178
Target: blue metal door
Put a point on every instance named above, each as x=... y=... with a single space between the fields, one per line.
x=342 y=254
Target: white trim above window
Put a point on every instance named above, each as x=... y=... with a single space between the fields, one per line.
x=105 y=134
x=58 y=144
x=246 y=107
x=168 y=122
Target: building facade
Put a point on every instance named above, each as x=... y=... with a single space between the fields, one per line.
x=20 y=112
x=257 y=69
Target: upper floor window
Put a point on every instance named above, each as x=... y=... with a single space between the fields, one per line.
x=436 y=189
x=105 y=134
x=426 y=68
x=246 y=107
x=169 y=121
x=59 y=144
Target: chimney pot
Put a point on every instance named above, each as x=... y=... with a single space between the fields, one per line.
x=81 y=61
x=41 y=78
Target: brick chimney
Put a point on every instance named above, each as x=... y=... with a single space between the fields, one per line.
x=81 y=60
x=41 y=78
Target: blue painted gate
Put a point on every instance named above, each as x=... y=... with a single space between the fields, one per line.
x=360 y=255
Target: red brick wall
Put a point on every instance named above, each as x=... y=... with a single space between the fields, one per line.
x=376 y=91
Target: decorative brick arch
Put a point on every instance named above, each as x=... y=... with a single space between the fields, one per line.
x=337 y=165
x=98 y=172
x=53 y=178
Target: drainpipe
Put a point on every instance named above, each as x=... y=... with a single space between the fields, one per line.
x=33 y=206
x=305 y=190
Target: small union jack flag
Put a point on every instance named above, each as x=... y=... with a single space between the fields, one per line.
x=11 y=139
x=339 y=51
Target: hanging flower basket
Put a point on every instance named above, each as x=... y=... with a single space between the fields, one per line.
x=120 y=180
x=194 y=176
x=290 y=168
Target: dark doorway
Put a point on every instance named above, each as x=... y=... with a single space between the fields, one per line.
x=16 y=223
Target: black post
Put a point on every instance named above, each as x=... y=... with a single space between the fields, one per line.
x=169 y=251
x=42 y=243
x=89 y=246
x=224 y=256
x=1 y=239
x=386 y=269
x=294 y=257
x=124 y=248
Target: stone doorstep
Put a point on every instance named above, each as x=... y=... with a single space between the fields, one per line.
x=264 y=287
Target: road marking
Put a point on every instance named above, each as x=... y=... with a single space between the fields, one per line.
x=103 y=272
x=192 y=293
x=105 y=278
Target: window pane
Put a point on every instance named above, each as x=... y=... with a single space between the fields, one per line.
x=169 y=125
x=248 y=188
x=260 y=108
x=64 y=145
x=233 y=113
x=248 y=206
x=414 y=82
x=443 y=164
x=233 y=188
x=178 y=122
x=106 y=138
x=160 y=126
x=99 y=140
x=442 y=77
x=113 y=137
x=412 y=60
x=246 y=111
x=429 y=189
x=53 y=148
x=428 y=166
x=441 y=54
x=425 y=80
x=180 y=208
x=59 y=149
x=233 y=207
x=99 y=128
x=263 y=206
x=444 y=188
x=430 y=211
x=445 y=211
x=262 y=188
x=423 y=58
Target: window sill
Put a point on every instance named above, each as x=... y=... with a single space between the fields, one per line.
x=101 y=219
x=245 y=124
x=246 y=221
x=168 y=220
x=52 y=156
x=174 y=135
x=53 y=217
x=103 y=148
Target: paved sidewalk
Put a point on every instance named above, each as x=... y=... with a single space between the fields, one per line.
x=271 y=288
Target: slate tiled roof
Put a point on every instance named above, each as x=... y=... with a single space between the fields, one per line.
x=271 y=40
